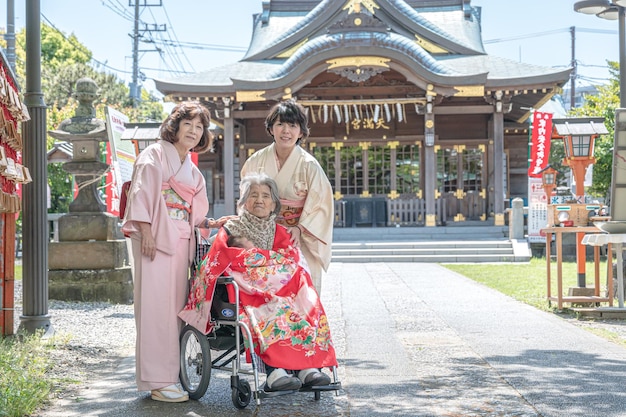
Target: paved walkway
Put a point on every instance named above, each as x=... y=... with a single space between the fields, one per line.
x=419 y=340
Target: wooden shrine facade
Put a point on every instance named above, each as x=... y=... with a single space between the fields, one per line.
x=412 y=121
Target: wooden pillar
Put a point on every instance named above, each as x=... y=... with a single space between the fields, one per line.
x=229 y=161
x=498 y=168
x=7 y=292
x=364 y=161
x=430 y=166
x=337 y=147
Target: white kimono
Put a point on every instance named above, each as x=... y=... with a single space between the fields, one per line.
x=306 y=199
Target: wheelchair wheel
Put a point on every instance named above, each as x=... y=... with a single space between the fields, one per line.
x=241 y=394
x=195 y=362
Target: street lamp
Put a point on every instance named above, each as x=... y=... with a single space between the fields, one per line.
x=548 y=178
x=579 y=135
x=615 y=9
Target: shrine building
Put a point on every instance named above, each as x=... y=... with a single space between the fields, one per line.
x=413 y=122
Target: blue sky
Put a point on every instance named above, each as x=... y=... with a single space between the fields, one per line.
x=535 y=33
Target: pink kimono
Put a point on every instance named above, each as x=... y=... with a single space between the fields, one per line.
x=160 y=285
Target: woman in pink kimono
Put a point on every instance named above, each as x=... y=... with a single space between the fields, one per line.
x=167 y=198
x=306 y=197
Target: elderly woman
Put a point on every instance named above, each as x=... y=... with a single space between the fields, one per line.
x=278 y=300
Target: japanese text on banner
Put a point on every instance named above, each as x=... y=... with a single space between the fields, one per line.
x=540 y=143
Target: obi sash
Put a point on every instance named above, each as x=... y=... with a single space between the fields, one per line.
x=290 y=212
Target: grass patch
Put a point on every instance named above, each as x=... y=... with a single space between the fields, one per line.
x=24 y=361
x=18 y=272
x=527 y=282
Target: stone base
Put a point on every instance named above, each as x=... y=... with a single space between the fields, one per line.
x=106 y=285
x=88 y=226
x=581 y=292
x=110 y=254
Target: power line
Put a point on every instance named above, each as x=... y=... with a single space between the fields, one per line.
x=549 y=32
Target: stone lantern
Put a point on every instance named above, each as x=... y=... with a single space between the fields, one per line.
x=90 y=260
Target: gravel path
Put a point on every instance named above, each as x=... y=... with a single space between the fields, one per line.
x=88 y=338
x=91 y=337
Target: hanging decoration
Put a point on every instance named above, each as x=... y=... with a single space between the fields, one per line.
x=12 y=172
x=338 y=113
x=361 y=113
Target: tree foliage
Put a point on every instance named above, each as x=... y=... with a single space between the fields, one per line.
x=603 y=105
x=64 y=60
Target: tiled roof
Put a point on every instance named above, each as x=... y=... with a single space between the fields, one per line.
x=454 y=27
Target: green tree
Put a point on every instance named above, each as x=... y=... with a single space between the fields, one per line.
x=64 y=60
x=603 y=105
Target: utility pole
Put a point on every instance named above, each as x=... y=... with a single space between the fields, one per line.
x=135 y=88
x=574 y=73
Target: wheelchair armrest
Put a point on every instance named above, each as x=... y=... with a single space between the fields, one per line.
x=225 y=280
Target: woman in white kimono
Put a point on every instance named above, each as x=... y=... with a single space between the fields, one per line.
x=167 y=198
x=306 y=196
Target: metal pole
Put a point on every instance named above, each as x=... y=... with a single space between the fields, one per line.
x=573 y=75
x=10 y=35
x=134 y=86
x=35 y=229
x=622 y=57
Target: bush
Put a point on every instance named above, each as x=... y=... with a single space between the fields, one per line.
x=24 y=361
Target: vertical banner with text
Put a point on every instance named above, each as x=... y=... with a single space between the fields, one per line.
x=120 y=157
x=540 y=143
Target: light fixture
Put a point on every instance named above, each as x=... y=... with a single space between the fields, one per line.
x=429 y=139
x=591 y=6
x=612 y=13
x=579 y=136
x=548 y=179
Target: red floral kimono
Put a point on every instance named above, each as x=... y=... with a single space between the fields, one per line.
x=277 y=301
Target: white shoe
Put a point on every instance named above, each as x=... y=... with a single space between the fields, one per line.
x=170 y=394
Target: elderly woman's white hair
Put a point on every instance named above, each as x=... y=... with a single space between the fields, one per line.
x=260 y=179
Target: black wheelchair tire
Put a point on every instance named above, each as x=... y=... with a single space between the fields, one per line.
x=241 y=394
x=195 y=362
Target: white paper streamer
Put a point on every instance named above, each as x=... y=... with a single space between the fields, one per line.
x=376 y=113
x=325 y=113
x=399 y=111
x=337 y=113
x=356 y=112
x=387 y=113
x=346 y=113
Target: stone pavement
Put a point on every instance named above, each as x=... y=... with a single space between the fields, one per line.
x=417 y=340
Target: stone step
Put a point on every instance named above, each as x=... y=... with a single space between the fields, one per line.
x=446 y=233
x=439 y=258
x=420 y=245
x=466 y=251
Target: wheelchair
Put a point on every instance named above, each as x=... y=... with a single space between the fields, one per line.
x=225 y=342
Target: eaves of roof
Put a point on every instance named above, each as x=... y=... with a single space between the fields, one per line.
x=503 y=72
x=493 y=72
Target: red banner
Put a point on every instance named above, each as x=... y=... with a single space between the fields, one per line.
x=540 y=147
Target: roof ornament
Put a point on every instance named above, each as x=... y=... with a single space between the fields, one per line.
x=354 y=6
